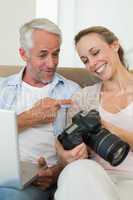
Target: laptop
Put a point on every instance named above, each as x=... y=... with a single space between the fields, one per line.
x=14 y=173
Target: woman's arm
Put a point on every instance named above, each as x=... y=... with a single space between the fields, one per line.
x=123 y=134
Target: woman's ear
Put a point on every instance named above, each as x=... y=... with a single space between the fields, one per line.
x=23 y=54
x=115 y=46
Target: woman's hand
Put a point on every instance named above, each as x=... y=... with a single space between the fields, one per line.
x=67 y=156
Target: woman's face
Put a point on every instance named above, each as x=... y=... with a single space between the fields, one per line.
x=99 y=57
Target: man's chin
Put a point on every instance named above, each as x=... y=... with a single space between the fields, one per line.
x=49 y=76
x=46 y=79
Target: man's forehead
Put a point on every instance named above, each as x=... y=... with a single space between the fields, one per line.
x=39 y=33
x=48 y=49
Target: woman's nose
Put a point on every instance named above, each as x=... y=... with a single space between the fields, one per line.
x=91 y=66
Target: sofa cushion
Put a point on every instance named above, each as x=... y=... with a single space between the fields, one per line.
x=79 y=75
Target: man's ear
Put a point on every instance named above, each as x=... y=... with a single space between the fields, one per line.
x=115 y=46
x=23 y=54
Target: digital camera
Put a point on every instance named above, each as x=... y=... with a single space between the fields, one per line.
x=86 y=127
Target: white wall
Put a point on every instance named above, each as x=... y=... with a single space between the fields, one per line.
x=13 y=13
x=66 y=21
x=47 y=9
x=77 y=14
x=71 y=16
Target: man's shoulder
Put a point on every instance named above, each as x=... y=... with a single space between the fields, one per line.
x=71 y=83
x=68 y=83
x=13 y=79
x=9 y=80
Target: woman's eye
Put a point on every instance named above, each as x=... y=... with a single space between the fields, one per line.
x=95 y=52
x=85 y=61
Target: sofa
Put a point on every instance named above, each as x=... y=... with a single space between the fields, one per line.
x=79 y=75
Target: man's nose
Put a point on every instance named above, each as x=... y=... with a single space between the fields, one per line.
x=50 y=61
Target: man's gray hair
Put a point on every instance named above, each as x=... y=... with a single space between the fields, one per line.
x=41 y=24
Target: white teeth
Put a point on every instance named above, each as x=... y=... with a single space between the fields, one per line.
x=101 y=69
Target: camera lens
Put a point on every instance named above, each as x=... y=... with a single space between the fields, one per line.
x=118 y=152
x=87 y=128
x=110 y=147
x=119 y=155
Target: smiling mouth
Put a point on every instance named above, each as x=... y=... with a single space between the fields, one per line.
x=101 y=69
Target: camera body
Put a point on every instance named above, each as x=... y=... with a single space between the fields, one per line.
x=86 y=127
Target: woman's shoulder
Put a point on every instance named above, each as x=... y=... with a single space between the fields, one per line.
x=89 y=90
x=85 y=99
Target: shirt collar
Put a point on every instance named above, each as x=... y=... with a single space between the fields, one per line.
x=17 y=80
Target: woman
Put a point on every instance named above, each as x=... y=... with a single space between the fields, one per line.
x=103 y=56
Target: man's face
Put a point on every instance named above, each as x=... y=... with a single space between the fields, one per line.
x=43 y=57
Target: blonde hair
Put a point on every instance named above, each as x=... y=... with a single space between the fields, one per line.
x=107 y=35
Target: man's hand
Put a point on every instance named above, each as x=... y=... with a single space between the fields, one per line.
x=44 y=111
x=47 y=176
x=67 y=156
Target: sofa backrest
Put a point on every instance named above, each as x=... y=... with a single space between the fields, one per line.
x=79 y=75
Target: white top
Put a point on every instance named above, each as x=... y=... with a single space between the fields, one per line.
x=124 y=120
x=119 y=119
x=28 y=96
x=88 y=98
x=36 y=141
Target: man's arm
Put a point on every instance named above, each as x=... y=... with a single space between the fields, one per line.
x=44 y=111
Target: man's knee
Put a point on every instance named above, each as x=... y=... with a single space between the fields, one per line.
x=12 y=194
x=29 y=193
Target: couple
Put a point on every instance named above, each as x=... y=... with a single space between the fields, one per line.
x=41 y=98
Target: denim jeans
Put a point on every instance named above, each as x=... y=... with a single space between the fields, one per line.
x=29 y=193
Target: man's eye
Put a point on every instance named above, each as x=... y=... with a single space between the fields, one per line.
x=42 y=55
x=56 y=54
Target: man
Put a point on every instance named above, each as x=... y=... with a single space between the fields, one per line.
x=40 y=97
